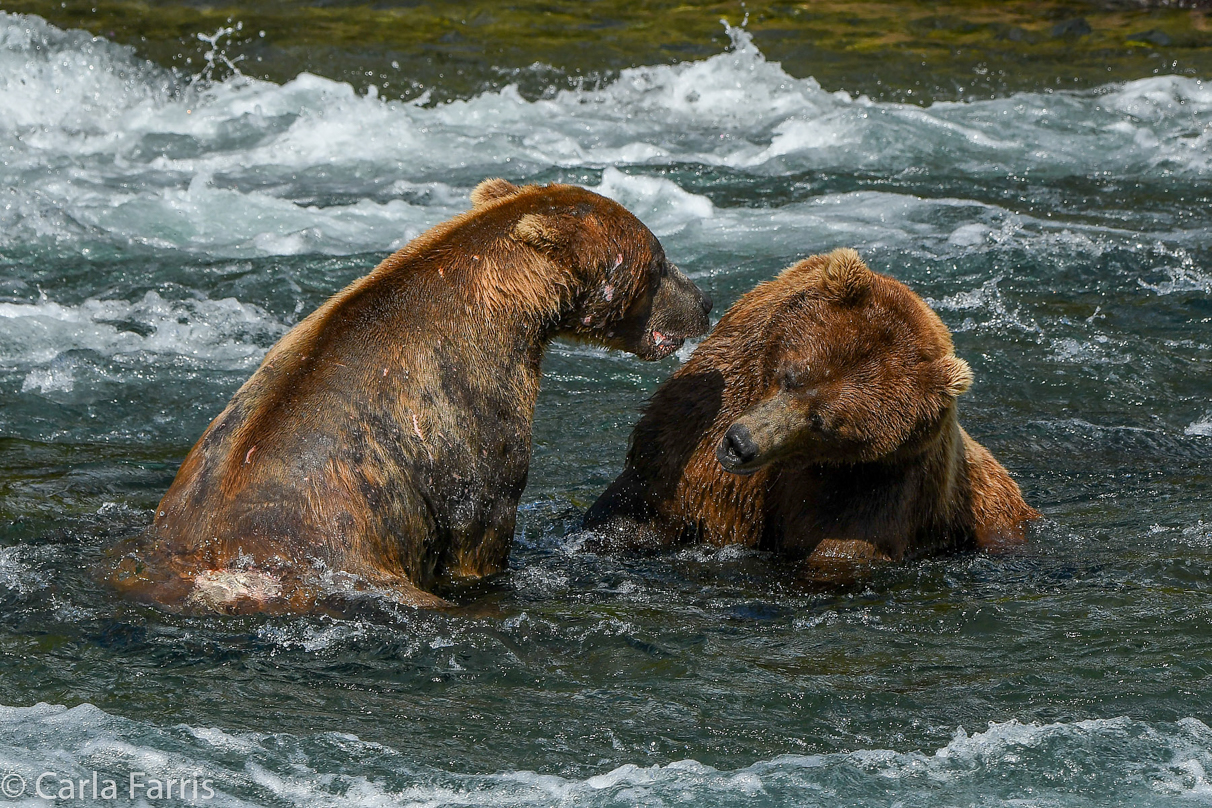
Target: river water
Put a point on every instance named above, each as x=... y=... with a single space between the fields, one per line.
x=157 y=235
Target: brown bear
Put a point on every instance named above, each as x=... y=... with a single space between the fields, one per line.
x=817 y=421
x=385 y=440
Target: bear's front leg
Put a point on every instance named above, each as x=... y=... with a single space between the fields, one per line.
x=481 y=550
x=625 y=521
x=622 y=534
x=403 y=591
x=1001 y=537
x=841 y=561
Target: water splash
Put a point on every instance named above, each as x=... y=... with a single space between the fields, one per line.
x=219 y=66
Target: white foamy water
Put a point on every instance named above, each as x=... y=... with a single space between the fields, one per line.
x=103 y=148
x=214 y=333
x=1202 y=427
x=1093 y=762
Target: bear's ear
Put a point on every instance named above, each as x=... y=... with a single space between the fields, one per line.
x=845 y=277
x=543 y=231
x=955 y=375
x=492 y=189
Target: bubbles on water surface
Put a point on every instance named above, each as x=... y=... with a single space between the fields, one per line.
x=986 y=301
x=1187 y=276
x=1202 y=427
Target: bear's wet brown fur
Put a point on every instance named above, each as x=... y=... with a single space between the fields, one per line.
x=385 y=439
x=818 y=420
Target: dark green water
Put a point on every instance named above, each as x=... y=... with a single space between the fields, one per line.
x=157 y=237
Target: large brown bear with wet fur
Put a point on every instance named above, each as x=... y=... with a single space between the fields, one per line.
x=818 y=421
x=385 y=440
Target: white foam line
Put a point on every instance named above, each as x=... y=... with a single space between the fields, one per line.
x=277 y=767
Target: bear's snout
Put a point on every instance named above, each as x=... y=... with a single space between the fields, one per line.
x=736 y=449
x=682 y=305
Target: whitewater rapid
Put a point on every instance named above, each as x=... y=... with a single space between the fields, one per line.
x=105 y=150
x=1092 y=760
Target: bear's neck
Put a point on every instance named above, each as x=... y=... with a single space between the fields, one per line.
x=486 y=325
x=505 y=308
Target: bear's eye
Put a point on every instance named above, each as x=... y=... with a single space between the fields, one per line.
x=793 y=379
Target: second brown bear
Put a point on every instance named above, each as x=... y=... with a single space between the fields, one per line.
x=818 y=421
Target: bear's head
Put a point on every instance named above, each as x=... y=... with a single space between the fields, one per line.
x=857 y=369
x=625 y=293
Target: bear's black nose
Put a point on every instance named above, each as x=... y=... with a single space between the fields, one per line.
x=740 y=443
x=707 y=303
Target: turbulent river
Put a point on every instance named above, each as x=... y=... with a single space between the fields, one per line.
x=157 y=235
